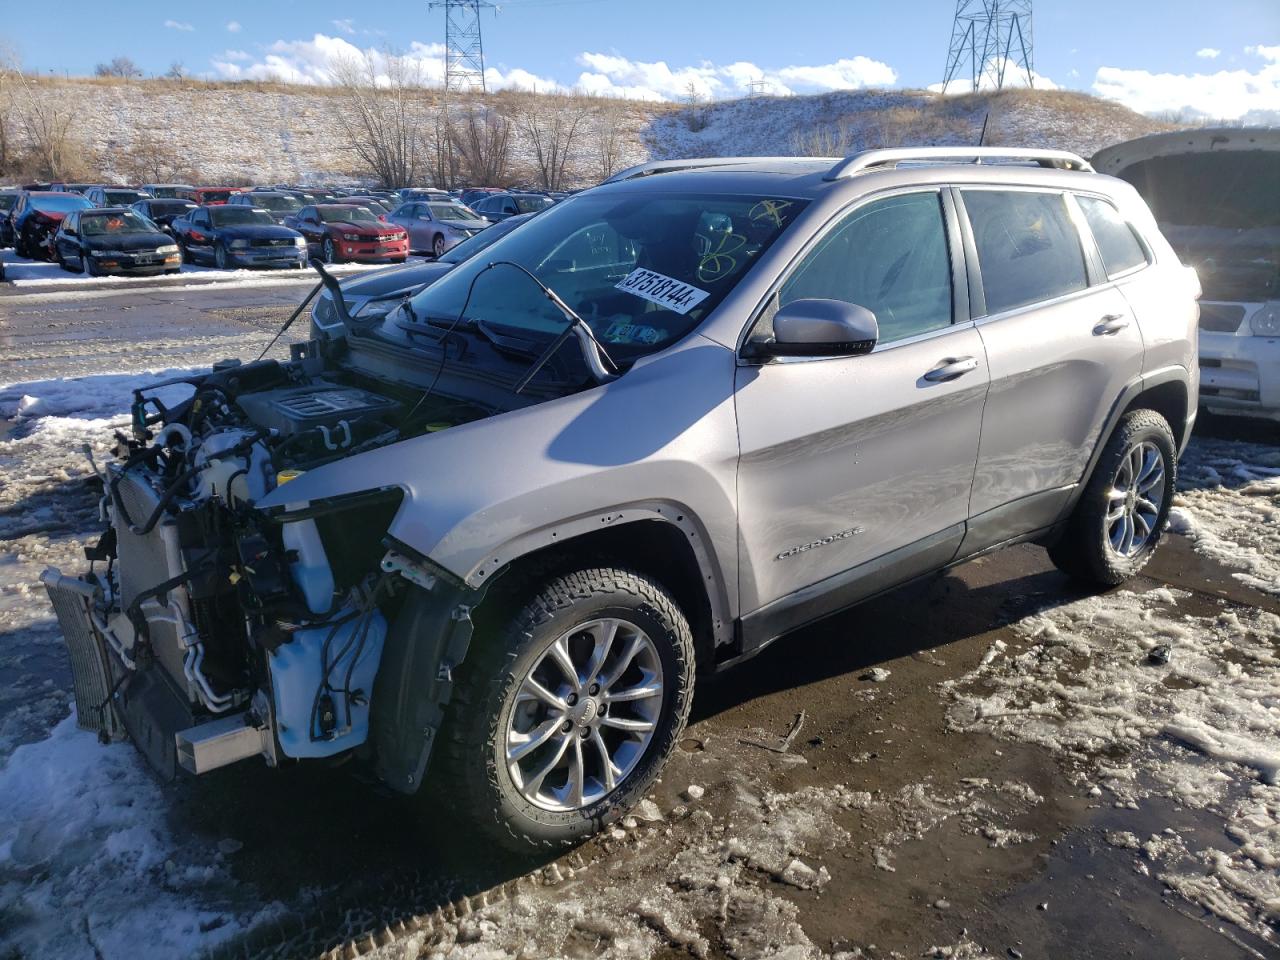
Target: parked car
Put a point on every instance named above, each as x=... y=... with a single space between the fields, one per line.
x=8 y=199
x=1215 y=191
x=113 y=196
x=235 y=236
x=113 y=240
x=474 y=194
x=166 y=191
x=279 y=205
x=491 y=537
x=337 y=232
x=70 y=187
x=34 y=219
x=421 y=193
x=436 y=225
x=206 y=196
x=378 y=292
x=163 y=212
x=499 y=206
x=379 y=208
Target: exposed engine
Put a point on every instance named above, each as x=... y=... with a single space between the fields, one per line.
x=233 y=626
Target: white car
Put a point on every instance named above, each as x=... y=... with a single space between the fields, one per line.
x=1216 y=195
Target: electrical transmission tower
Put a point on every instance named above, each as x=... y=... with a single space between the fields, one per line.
x=988 y=36
x=463 y=45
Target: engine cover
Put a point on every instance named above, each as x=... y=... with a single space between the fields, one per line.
x=295 y=409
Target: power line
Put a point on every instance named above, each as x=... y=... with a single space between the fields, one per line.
x=463 y=44
x=988 y=36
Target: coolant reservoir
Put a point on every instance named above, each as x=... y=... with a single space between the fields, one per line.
x=311 y=571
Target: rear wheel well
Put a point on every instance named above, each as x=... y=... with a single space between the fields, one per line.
x=659 y=550
x=1170 y=401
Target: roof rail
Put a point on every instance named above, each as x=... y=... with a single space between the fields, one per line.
x=870 y=159
x=671 y=166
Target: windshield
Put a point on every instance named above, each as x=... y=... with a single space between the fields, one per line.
x=276 y=203
x=165 y=208
x=641 y=270
x=7 y=200
x=481 y=241
x=533 y=204
x=452 y=211
x=215 y=196
x=346 y=215
x=233 y=216
x=122 y=198
x=165 y=193
x=61 y=203
x=100 y=224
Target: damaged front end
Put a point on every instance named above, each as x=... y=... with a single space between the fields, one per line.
x=209 y=630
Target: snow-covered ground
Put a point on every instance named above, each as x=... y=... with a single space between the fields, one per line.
x=90 y=867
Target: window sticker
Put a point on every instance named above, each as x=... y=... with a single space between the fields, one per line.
x=663 y=290
x=623 y=331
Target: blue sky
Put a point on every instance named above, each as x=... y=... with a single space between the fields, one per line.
x=1149 y=59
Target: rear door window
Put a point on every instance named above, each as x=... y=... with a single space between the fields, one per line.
x=1028 y=248
x=1119 y=246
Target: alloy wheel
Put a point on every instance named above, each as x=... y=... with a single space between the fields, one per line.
x=584 y=715
x=1135 y=498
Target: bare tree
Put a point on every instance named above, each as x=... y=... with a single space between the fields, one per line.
x=551 y=123
x=9 y=68
x=828 y=139
x=482 y=137
x=176 y=71
x=610 y=137
x=150 y=158
x=381 y=112
x=46 y=128
x=441 y=152
x=122 y=67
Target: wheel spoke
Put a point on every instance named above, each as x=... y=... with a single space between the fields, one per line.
x=560 y=654
x=577 y=773
x=606 y=762
x=1153 y=479
x=627 y=723
x=534 y=783
x=520 y=745
x=531 y=689
x=1126 y=541
x=619 y=668
x=649 y=687
x=603 y=633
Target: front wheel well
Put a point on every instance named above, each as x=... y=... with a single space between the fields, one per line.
x=656 y=549
x=1170 y=401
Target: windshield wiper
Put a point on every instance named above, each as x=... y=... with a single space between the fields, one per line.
x=602 y=366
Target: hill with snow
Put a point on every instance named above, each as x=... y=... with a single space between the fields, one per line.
x=254 y=133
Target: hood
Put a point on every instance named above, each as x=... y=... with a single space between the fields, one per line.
x=405 y=277
x=255 y=231
x=365 y=229
x=128 y=241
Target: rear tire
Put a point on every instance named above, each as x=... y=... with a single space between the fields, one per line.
x=491 y=710
x=1117 y=524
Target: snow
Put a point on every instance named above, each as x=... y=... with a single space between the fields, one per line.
x=1202 y=730
x=1228 y=504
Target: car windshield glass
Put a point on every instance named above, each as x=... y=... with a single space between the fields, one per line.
x=121 y=198
x=165 y=208
x=451 y=211
x=164 y=193
x=233 y=216
x=642 y=270
x=216 y=196
x=101 y=224
x=276 y=203
x=533 y=204
x=346 y=215
x=7 y=200
x=484 y=239
x=63 y=203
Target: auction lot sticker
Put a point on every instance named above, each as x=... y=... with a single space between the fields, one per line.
x=663 y=290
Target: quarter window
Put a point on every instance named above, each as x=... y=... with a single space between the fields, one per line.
x=889 y=256
x=1116 y=241
x=1028 y=248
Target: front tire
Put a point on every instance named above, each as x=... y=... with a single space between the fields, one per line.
x=1116 y=527
x=220 y=257
x=566 y=713
x=330 y=251
x=437 y=247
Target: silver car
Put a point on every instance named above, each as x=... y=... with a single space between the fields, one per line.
x=484 y=541
x=436 y=225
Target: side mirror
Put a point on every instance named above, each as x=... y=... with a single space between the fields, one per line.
x=822 y=328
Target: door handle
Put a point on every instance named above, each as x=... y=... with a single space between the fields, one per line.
x=1112 y=323
x=951 y=368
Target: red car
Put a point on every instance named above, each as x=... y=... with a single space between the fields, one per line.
x=34 y=219
x=207 y=196
x=337 y=232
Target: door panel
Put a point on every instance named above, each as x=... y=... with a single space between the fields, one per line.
x=845 y=460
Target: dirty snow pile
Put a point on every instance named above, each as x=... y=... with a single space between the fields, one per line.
x=1201 y=730
x=1228 y=503
x=88 y=866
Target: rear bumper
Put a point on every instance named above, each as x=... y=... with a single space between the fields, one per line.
x=1239 y=372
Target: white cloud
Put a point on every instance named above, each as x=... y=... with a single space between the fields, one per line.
x=238 y=55
x=1225 y=95
x=233 y=26
x=1208 y=53
x=346 y=25
x=176 y=25
x=1014 y=76
x=614 y=75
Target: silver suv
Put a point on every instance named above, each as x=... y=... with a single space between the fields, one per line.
x=486 y=538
